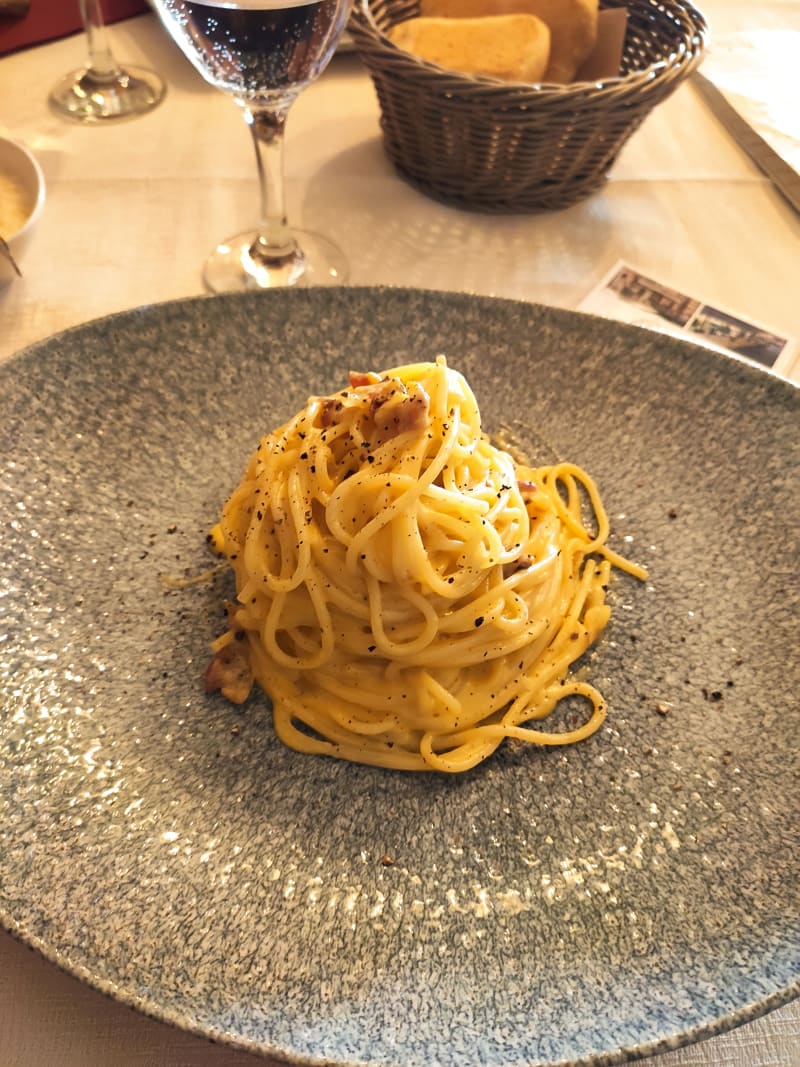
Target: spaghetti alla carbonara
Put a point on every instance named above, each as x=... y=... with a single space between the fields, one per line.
x=408 y=595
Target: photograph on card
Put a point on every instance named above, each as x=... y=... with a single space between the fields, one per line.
x=744 y=338
x=654 y=297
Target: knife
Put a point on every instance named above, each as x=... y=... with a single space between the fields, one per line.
x=785 y=179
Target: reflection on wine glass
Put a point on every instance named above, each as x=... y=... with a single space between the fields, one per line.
x=102 y=90
x=263 y=53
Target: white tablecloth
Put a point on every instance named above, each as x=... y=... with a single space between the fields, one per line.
x=132 y=210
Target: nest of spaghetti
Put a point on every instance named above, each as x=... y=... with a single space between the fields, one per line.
x=408 y=594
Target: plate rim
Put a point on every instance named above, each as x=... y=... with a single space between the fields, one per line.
x=631 y=329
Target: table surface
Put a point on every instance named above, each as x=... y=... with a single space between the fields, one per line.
x=133 y=209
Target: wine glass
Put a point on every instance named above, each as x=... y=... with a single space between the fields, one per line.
x=263 y=53
x=102 y=90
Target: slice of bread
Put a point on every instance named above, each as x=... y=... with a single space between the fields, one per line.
x=572 y=24
x=514 y=48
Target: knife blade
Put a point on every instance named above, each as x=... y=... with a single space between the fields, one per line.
x=785 y=178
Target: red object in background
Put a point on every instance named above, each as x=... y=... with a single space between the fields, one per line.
x=48 y=19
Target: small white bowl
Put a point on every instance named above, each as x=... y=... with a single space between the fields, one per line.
x=21 y=179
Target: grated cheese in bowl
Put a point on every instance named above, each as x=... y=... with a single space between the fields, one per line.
x=16 y=205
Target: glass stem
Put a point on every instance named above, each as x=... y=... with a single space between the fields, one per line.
x=267 y=124
x=102 y=64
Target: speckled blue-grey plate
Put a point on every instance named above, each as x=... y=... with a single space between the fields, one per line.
x=591 y=905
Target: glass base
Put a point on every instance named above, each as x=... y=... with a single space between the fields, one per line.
x=87 y=96
x=233 y=266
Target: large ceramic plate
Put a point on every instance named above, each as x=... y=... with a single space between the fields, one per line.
x=590 y=905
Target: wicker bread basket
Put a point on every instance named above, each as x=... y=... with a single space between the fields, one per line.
x=493 y=146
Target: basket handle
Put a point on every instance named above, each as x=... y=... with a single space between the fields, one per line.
x=361 y=13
